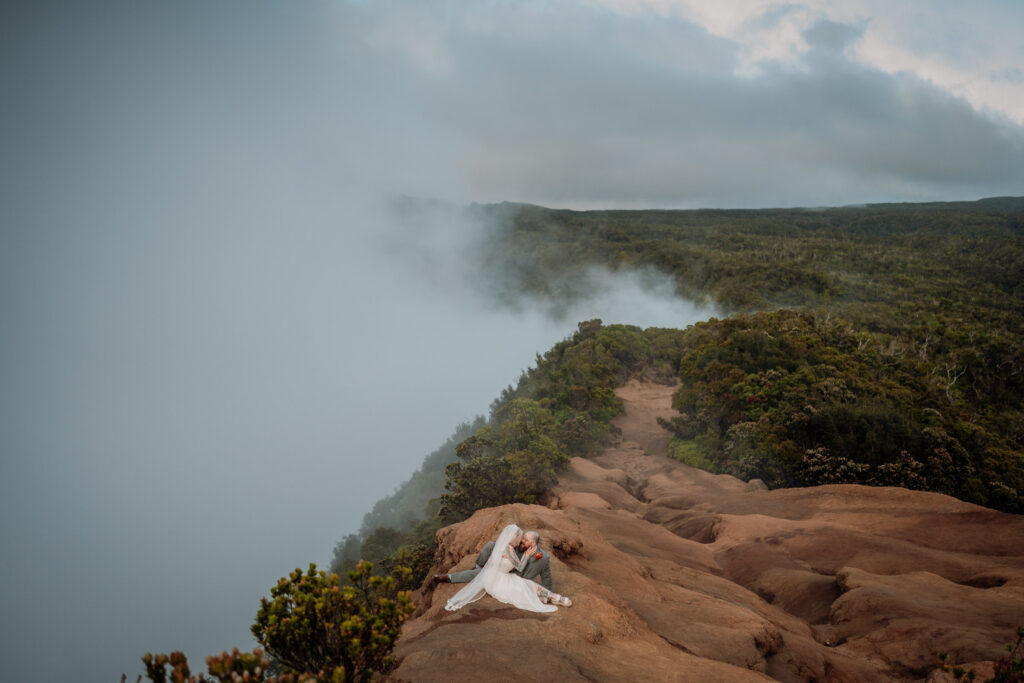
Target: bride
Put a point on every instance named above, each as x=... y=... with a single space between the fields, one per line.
x=497 y=579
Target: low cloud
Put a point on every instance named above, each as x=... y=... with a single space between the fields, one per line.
x=219 y=350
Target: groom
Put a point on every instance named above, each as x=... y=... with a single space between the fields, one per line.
x=539 y=563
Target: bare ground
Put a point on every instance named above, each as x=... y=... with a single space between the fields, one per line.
x=678 y=574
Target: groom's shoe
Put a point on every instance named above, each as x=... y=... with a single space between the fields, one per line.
x=442 y=578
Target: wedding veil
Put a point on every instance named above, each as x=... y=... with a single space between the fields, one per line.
x=474 y=590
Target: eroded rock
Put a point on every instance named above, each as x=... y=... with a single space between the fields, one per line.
x=682 y=575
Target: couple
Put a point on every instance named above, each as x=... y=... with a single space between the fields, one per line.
x=503 y=574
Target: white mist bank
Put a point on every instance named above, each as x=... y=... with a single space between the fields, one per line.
x=202 y=410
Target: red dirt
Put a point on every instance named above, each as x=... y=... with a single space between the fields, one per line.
x=678 y=574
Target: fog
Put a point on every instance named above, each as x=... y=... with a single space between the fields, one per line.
x=220 y=345
x=191 y=414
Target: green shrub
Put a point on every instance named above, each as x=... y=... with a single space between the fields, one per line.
x=513 y=460
x=314 y=624
x=689 y=452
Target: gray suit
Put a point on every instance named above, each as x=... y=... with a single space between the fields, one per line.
x=532 y=570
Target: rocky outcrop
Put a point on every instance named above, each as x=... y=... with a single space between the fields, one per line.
x=678 y=574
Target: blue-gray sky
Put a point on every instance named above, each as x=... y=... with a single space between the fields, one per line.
x=217 y=351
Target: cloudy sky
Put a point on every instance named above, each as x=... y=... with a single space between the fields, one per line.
x=217 y=350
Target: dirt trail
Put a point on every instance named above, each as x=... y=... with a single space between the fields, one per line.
x=678 y=575
x=644 y=403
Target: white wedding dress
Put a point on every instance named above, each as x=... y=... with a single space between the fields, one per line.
x=496 y=578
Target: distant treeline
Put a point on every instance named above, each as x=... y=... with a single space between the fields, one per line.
x=880 y=345
x=874 y=265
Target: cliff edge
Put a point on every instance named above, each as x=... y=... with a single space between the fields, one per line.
x=681 y=575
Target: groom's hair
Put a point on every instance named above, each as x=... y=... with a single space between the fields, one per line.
x=533 y=536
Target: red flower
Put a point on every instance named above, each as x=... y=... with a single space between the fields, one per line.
x=538 y=556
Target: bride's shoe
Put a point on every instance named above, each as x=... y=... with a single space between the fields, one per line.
x=564 y=601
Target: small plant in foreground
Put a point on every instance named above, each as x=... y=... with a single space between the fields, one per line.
x=1009 y=669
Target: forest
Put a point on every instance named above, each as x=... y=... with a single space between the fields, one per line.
x=880 y=345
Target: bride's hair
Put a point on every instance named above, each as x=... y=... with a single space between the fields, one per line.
x=517 y=537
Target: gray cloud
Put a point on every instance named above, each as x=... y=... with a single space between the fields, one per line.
x=218 y=350
x=591 y=128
